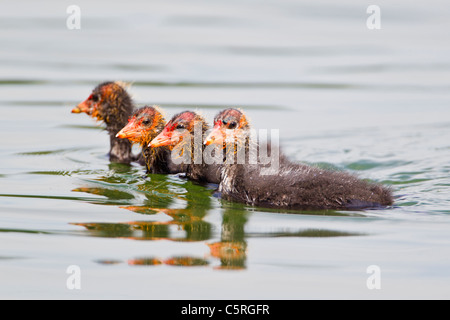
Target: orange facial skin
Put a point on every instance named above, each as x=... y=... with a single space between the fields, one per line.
x=166 y=138
x=84 y=106
x=143 y=125
x=105 y=94
x=91 y=105
x=228 y=125
x=176 y=129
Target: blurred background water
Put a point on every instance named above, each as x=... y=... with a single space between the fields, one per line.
x=372 y=102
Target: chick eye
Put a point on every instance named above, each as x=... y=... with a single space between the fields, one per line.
x=232 y=125
x=96 y=98
x=146 y=122
x=180 y=126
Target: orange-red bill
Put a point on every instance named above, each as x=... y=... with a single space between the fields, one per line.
x=216 y=136
x=84 y=106
x=163 y=139
x=167 y=138
x=131 y=131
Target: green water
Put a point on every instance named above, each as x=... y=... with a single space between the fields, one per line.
x=371 y=102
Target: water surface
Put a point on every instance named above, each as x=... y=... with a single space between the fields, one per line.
x=371 y=102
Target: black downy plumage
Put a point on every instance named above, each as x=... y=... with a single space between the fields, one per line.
x=110 y=102
x=291 y=185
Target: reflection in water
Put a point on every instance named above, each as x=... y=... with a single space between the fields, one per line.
x=231 y=249
x=145 y=262
x=122 y=185
x=184 y=261
x=175 y=261
x=155 y=196
x=151 y=230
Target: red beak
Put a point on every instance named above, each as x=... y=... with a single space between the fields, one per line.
x=84 y=106
x=163 y=139
x=131 y=131
x=216 y=136
x=167 y=138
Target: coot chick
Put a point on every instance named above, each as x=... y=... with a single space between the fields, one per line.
x=184 y=135
x=143 y=126
x=110 y=102
x=292 y=186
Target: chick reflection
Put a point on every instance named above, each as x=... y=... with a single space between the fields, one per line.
x=186 y=225
x=153 y=195
x=230 y=250
x=232 y=247
x=175 y=209
x=123 y=185
x=184 y=261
